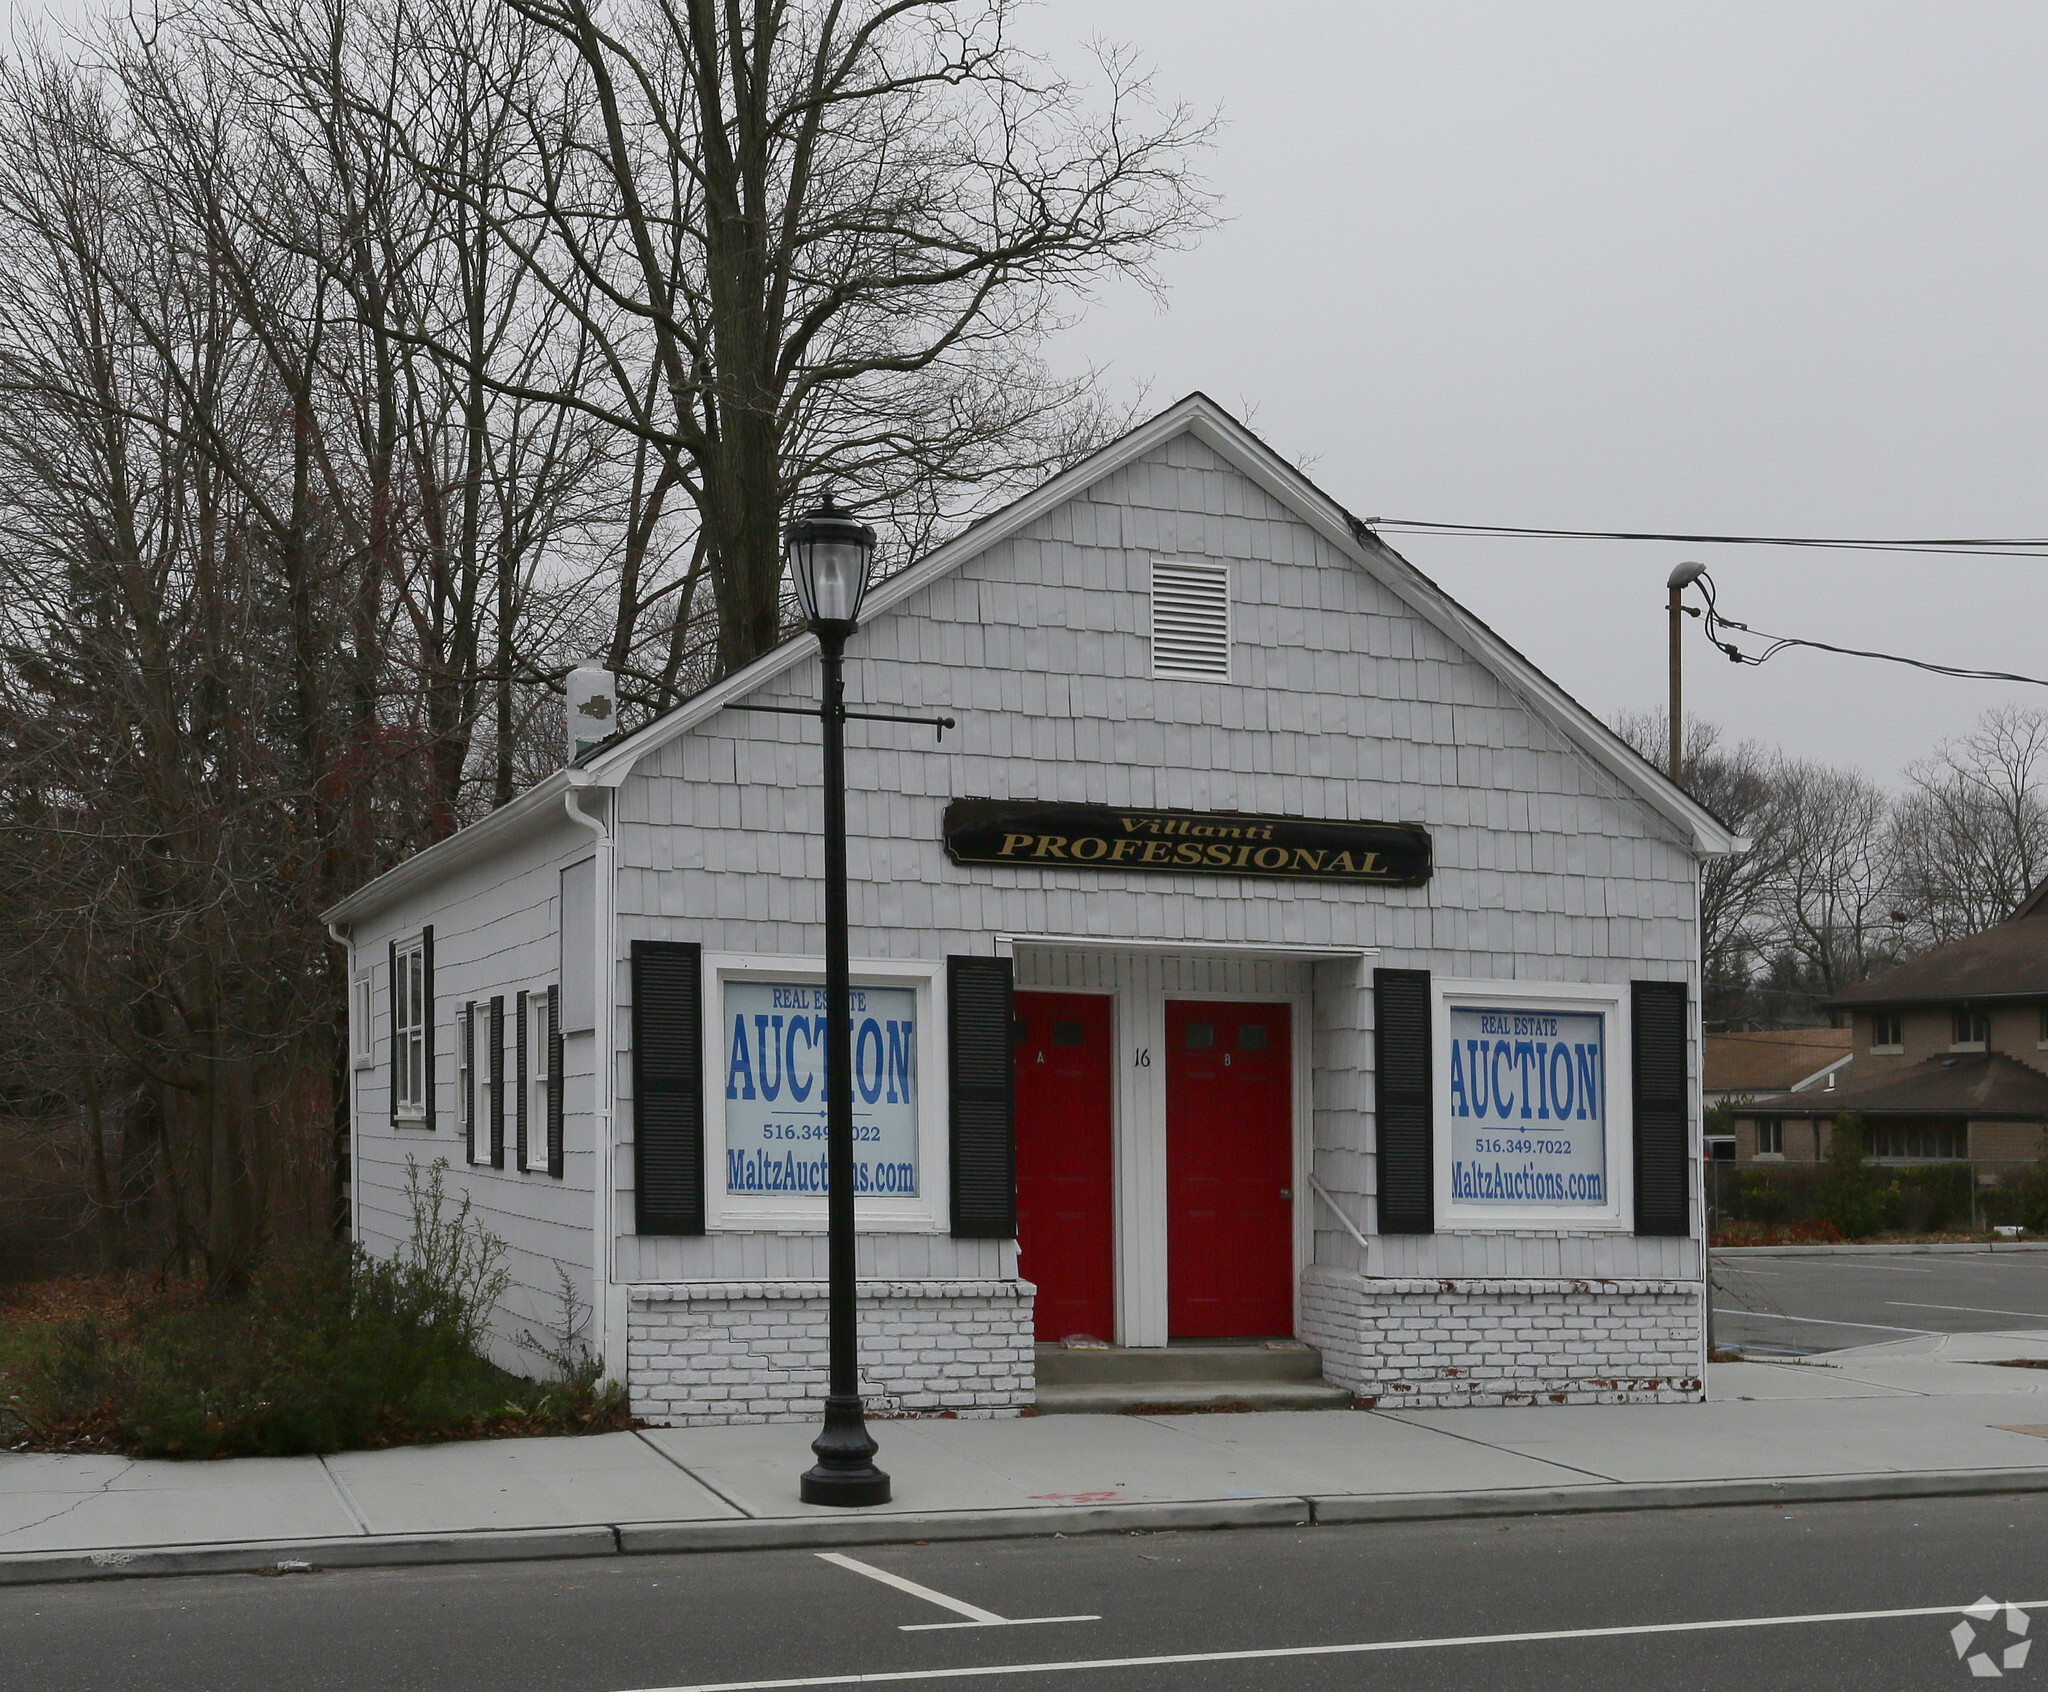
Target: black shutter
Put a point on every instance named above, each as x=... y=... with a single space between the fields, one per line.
x=1657 y=1019
x=982 y=1104
x=427 y=1023
x=524 y=1083
x=1404 y=1100
x=555 y=1081
x=468 y=1099
x=395 y=1059
x=668 y=1087
x=498 y=1082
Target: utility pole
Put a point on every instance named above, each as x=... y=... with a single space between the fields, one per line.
x=1680 y=579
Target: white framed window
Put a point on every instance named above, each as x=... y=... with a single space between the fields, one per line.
x=1887 y=1033
x=1972 y=1030
x=361 y=1025
x=1190 y=620
x=474 y=1032
x=533 y=1082
x=409 y=1013
x=764 y=1127
x=1770 y=1139
x=1535 y=1123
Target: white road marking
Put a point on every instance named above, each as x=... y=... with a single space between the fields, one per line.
x=1973 y=1309
x=975 y=1614
x=1276 y=1652
x=1820 y=1321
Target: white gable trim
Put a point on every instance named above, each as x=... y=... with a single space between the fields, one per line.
x=1197 y=415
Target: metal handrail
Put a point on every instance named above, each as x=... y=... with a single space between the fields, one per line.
x=1350 y=1227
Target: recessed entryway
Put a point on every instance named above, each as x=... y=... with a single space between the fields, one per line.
x=1229 y=1169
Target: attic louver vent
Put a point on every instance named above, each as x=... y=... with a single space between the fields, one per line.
x=1191 y=620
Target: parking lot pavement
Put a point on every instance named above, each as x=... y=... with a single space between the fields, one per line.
x=1799 y=1305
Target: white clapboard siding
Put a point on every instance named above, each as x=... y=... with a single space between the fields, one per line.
x=1342 y=703
x=496 y=931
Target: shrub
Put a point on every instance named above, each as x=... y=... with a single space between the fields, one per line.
x=1847 y=1193
x=328 y=1349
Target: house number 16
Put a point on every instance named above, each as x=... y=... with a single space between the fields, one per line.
x=1142 y=1059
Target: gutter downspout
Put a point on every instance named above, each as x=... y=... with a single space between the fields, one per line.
x=607 y=1301
x=345 y=939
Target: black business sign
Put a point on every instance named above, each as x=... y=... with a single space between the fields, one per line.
x=1024 y=831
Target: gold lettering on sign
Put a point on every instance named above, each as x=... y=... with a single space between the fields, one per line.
x=1014 y=843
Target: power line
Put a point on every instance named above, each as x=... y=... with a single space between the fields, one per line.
x=1716 y=623
x=2006 y=546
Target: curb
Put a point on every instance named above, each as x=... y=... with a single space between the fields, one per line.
x=1677 y=1495
x=1872 y=1250
x=263 y=1556
x=802 y=1532
x=797 y=1532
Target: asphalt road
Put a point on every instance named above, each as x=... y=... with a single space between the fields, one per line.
x=1611 y=1602
x=1824 y=1303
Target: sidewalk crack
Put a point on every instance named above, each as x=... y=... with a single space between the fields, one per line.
x=83 y=1498
x=1488 y=1445
x=348 y=1502
x=670 y=1457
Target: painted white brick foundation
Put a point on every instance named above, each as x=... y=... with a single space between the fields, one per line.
x=754 y=1351
x=1447 y=1343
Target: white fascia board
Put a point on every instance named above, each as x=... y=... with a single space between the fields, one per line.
x=1704 y=833
x=611 y=765
x=539 y=805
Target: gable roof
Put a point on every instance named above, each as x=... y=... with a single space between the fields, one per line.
x=2007 y=961
x=1772 y=1060
x=1238 y=447
x=1986 y=1085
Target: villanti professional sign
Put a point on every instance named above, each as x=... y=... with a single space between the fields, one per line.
x=774 y=1043
x=1528 y=1108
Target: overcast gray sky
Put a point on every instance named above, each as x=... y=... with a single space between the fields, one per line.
x=1730 y=268
x=1749 y=268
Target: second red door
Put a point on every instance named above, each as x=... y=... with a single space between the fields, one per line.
x=1229 y=1170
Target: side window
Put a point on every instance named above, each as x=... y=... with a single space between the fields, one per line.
x=535 y=1083
x=409 y=1012
x=1886 y=1030
x=361 y=1004
x=1972 y=1027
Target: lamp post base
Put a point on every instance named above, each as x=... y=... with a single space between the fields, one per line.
x=845 y=1473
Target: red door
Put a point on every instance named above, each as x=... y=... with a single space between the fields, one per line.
x=1229 y=1168
x=1064 y=1240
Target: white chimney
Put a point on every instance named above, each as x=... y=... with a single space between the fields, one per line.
x=593 y=706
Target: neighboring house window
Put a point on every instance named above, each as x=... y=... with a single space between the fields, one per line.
x=1972 y=1028
x=409 y=1033
x=1887 y=1032
x=1918 y=1139
x=2044 y=1025
x=1190 y=620
x=1770 y=1139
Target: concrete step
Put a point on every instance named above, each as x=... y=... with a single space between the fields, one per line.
x=1185 y=1361
x=1165 y=1398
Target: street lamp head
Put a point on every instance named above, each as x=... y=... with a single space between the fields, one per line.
x=1685 y=575
x=829 y=555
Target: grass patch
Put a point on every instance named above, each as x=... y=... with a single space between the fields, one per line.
x=329 y=1350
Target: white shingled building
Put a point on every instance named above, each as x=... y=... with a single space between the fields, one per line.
x=1272 y=952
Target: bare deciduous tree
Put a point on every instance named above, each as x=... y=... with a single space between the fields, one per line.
x=1971 y=836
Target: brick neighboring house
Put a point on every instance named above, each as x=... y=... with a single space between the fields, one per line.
x=1757 y=1063
x=1951 y=1058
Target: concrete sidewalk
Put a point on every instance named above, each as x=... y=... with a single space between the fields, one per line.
x=1916 y=1417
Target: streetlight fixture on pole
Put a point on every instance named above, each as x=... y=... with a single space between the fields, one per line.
x=829 y=557
x=1680 y=579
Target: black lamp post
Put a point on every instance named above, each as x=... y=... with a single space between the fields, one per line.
x=829 y=556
